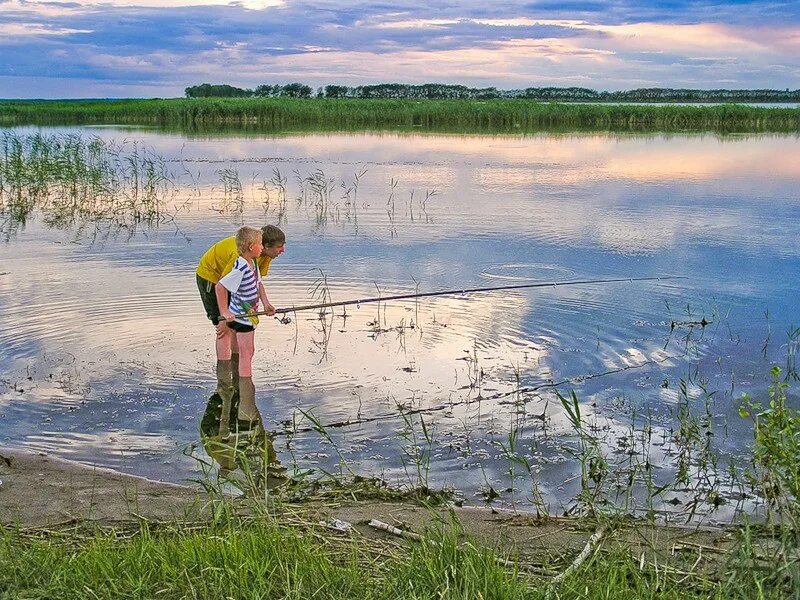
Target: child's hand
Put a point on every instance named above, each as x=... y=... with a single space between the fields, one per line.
x=269 y=309
x=222 y=326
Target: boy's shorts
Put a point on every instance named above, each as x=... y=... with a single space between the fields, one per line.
x=209 y=298
x=240 y=327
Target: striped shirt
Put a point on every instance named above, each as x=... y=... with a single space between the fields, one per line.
x=242 y=282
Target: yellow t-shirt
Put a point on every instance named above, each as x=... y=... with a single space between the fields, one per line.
x=218 y=261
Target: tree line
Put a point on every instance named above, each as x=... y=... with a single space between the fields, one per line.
x=439 y=91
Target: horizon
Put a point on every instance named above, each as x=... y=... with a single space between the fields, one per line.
x=184 y=97
x=115 y=49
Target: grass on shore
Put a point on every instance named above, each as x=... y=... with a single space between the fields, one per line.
x=502 y=116
x=260 y=558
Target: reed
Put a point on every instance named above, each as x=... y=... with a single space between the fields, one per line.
x=775 y=473
x=74 y=181
x=416 y=451
x=288 y=114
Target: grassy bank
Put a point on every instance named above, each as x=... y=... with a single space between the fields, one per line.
x=286 y=114
x=268 y=558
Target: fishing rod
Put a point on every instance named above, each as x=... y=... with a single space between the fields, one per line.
x=282 y=311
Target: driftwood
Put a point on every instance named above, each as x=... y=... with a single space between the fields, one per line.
x=590 y=547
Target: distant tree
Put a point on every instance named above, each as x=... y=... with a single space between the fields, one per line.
x=441 y=91
x=267 y=91
x=296 y=90
x=207 y=90
x=489 y=93
x=337 y=91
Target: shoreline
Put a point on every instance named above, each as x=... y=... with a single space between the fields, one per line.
x=40 y=491
x=439 y=116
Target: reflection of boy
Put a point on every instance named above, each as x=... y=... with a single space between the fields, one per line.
x=231 y=442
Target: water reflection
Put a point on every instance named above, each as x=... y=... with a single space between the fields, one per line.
x=104 y=338
x=232 y=431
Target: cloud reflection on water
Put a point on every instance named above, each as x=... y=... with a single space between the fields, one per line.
x=720 y=210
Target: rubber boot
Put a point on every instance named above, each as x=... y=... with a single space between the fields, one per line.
x=248 y=412
x=226 y=391
x=235 y=370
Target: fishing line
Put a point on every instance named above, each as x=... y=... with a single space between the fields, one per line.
x=287 y=431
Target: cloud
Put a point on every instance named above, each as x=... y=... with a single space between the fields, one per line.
x=185 y=42
x=18 y=30
x=40 y=5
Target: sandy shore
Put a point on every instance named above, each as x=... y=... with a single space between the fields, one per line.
x=43 y=491
x=40 y=491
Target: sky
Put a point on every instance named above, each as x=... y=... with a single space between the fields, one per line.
x=150 y=48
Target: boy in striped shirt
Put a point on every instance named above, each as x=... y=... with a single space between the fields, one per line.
x=215 y=263
x=238 y=293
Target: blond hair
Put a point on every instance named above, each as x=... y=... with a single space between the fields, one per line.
x=245 y=236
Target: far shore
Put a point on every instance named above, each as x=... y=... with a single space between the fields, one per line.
x=436 y=116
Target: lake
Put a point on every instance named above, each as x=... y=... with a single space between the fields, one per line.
x=106 y=356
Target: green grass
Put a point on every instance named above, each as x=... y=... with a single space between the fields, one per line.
x=286 y=114
x=263 y=559
x=254 y=560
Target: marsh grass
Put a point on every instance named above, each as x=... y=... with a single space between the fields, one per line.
x=74 y=181
x=253 y=559
x=274 y=190
x=594 y=468
x=288 y=555
x=232 y=193
x=80 y=182
x=286 y=114
x=775 y=476
x=416 y=450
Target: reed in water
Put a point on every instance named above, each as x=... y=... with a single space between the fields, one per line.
x=75 y=180
x=278 y=114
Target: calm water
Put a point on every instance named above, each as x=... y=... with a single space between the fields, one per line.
x=106 y=356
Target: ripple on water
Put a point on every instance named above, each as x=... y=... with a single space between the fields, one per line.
x=128 y=321
x=105 y=444
x=528 y=273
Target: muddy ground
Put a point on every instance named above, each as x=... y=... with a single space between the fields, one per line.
x=39 y=491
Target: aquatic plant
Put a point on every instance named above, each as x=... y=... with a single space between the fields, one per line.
x=775 y=477
x=417 y=449
x=277 y=185
x=232 y=192
x=594 y=467
x=74 y=181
